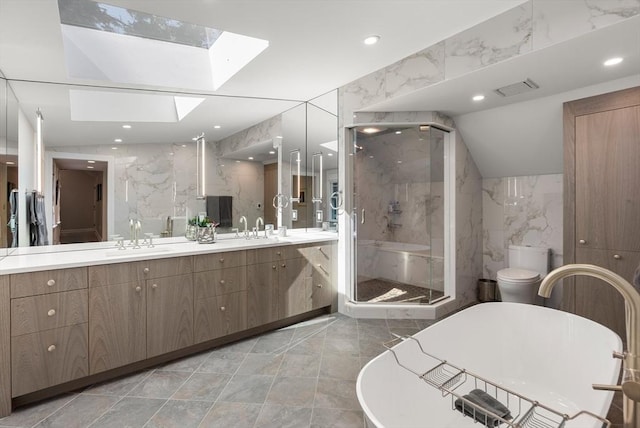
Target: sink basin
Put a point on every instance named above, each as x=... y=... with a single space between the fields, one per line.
x=114 y=252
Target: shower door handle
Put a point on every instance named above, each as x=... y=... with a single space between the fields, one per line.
x=362 y=219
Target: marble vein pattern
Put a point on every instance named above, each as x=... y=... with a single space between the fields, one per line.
x=500 y=38
x=534 y=219
x=264 y=131
x=421 y=69
x=557 y=21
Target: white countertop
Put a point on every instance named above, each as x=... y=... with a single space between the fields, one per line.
x=31 y=259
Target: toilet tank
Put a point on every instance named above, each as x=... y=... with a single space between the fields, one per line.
x=530 y=258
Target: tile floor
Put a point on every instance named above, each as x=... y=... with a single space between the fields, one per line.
x=299 y=376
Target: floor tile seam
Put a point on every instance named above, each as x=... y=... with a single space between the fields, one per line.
x=315 y=393
x=303 y=338
x=107 y=410
x=269 y=391
x=155 y=413
x=55 y=411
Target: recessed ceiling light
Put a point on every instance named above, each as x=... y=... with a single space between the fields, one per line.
x=478 y=97
x=126 y=126
x=170 y=153
x=184 y=145
x=613 y=61
x=10 y=163
x=371 y=40
x=216 y=126
x=371 y=130
x=271 y=152
x=279 y=136
x=399 y=161
x=90 y=161
x=250 y=158
x=89 y=167
x=329 y=154
x=118 y=140
x=237 y=161
x=398 y=132
x=114 y=148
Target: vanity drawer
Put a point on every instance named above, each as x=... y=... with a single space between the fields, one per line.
x=220 y=315
x=48 y=311
x=214 y=261
x=122 y=273
x=47 y=358
x=221 y=281
x=51 y=281
x=273 y=254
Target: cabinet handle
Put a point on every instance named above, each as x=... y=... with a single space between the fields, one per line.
x=51 y=282
x=138 y=289
x=278 y=253
x=222 y=281
x=283 y=265
x=154 y=285
x=582 y=241
x=617 y=256
x=273 y=267
x=51 y=348
x=319 y=285
x=222 y=260
x=51 y=312
x=222 y=308
x=145 y=270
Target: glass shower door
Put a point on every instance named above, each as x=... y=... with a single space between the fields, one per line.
x=399 y=203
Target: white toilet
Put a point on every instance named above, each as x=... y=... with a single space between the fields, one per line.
x=520 y=281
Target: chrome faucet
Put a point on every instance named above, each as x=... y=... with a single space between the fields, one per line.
x=631 y=359
x=243 y=219
x=259 y=221
x=136 y=234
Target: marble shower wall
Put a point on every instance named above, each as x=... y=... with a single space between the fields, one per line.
x=533 y=217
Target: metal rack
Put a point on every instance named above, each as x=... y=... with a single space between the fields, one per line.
x=524 y=412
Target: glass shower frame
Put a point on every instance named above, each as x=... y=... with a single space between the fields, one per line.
x=386 y=219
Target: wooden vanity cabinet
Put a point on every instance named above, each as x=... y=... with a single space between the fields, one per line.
x=139 y=310
x=220 y=295
x=49 y=329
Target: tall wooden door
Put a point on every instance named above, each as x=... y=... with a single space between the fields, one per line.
x=602 y=201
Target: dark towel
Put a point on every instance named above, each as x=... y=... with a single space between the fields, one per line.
x=483 y=401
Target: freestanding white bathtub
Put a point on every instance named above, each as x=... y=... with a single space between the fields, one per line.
x=547 y=355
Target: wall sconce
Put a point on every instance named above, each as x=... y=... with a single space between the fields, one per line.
x=39 y=151
x=201 y=169
x=317 y=184
x=294 y=157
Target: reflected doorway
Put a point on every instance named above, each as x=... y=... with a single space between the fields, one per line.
x=79 y=201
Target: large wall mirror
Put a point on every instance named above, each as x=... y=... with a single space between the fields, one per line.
x=113 y=156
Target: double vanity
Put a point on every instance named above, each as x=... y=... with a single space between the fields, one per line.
x=69 y=319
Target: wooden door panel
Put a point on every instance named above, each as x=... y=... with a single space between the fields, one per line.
x=117 y=326
x=607 y=179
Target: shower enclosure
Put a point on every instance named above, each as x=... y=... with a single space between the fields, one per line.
x=399 y=195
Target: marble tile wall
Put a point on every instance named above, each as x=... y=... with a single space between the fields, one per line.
x=528 y=27
x=533 y=217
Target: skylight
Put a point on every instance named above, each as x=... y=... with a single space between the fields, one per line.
x=105 y=42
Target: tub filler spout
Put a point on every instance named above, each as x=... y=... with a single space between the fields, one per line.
x=631 y=375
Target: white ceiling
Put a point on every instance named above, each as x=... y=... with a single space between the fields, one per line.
x=316 y=46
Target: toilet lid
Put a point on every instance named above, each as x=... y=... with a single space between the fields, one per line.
x=516 y=274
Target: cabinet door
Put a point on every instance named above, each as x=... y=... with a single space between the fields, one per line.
x=169 y=314
x=596 y=299
x=294 y=279
x=607 y=177
x=262 y=297
x=117 y=326
x=47 y=358
x=220 y=315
